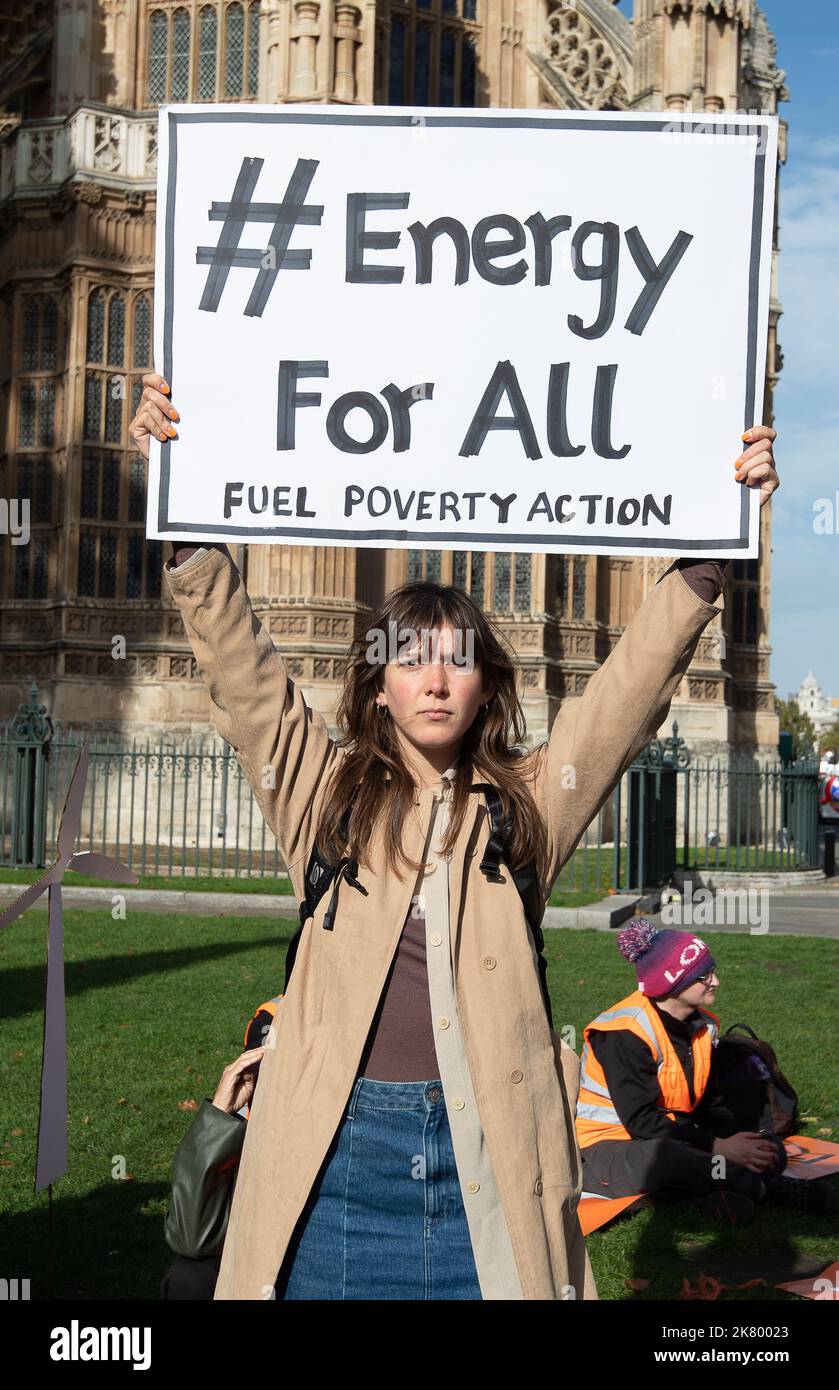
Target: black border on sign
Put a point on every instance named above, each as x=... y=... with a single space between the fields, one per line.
x=554 y=539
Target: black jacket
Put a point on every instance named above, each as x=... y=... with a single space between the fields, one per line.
x=632 y=1079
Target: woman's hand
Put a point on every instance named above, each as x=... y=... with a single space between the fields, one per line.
x=238 y=1081
x=756 y=463
x=154 y=414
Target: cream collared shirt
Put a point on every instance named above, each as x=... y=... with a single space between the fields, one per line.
x=491 y=1245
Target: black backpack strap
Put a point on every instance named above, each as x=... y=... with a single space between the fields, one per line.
x=319 y=875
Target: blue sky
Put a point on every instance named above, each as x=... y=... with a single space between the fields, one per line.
x=804 y=622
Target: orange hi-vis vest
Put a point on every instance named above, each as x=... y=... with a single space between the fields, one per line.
x=596 y=1115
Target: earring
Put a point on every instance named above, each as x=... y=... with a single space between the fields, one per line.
x=382 y=709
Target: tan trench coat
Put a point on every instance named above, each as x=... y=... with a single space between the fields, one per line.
x=525 y=1079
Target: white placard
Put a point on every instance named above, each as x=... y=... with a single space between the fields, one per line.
x=451 y=329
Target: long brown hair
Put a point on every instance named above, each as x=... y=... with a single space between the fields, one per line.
x=487 y=750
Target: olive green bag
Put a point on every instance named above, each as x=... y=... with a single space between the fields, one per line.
x=204 y=1171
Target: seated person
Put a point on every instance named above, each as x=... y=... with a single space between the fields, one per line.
x=650 y=1114
x=204 y=1170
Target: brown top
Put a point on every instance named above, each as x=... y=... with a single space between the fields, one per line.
x=400 y=1045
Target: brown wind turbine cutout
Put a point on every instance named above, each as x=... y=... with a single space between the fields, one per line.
x=52 y=1128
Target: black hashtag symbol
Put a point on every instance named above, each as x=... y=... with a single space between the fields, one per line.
x=287 y=215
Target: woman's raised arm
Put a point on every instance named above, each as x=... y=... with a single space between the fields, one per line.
x=595 y=736
x=282 y=744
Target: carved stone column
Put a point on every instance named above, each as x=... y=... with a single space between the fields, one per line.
x=347 y=39
x=305 y=32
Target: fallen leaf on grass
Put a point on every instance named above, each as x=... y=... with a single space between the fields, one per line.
x=709 y=1288
x=187 y=1104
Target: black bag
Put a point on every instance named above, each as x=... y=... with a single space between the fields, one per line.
x=754 y=1088
x=320 y=874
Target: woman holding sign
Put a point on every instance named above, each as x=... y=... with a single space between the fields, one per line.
x=412 y=1132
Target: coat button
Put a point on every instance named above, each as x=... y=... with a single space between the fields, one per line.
x=516 y=1075
x=458 y=1103
x=436 y=938
x=430 y=865
x=538 y=1187
x=473 y=1186
x=442 y=1022
x=490 y=962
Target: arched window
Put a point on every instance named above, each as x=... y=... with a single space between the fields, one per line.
x=253 y=49
x=158 y=46
x=234 y=50
x=180 y=55
x=207 y=52
x=186 y=59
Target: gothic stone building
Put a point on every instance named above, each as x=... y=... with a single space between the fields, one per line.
x=80 y=81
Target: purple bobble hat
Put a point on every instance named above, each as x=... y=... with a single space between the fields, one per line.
x=666 y=962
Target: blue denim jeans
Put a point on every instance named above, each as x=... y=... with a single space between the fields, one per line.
x=385 y=1219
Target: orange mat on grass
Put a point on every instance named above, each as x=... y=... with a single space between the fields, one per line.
x=810 y=1158
x=594 y=1212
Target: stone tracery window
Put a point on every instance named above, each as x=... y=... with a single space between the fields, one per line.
x=585 y=59
x=199 y=51
x=431 y=49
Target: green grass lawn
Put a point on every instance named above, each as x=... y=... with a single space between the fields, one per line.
x=272 y=884
x=157 y=1006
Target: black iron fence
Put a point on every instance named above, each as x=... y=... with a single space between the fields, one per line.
x=187 y=810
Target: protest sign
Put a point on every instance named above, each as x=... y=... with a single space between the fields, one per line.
x=427 y=327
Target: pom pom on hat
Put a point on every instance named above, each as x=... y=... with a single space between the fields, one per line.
x=637 y=938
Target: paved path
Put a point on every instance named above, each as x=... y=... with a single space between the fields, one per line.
x=808 y=912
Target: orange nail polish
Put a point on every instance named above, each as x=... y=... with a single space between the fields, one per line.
x=747 y=435
x=174 y=414
x=171 y=432
x=164 y=388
